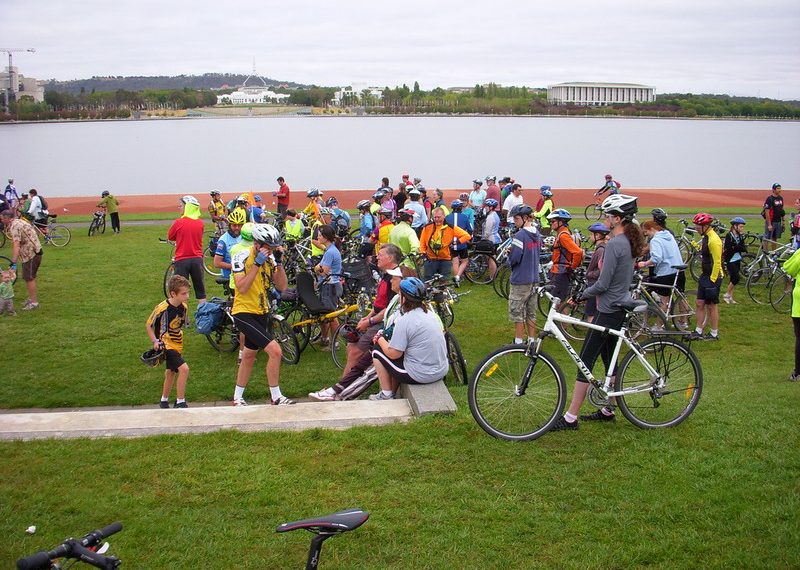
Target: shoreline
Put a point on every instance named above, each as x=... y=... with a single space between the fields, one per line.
x=568 y=198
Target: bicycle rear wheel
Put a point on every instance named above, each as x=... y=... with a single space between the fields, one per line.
x=457 y=375
x=59 y=235
x=478 y=268
x=670 y=404
x=498 y=406
x=445 y=312
x=780 y=293
x=283 y=332
x=225 y=337
x=167 y=276
x=696 y=266
x=592 y=212
x=758 y=283
x=208 y=263
x=501 y=282
x=303 y=332
x=339 y=346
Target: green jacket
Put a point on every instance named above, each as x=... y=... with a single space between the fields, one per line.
x=110 y=203
x=404 y=237
x=792 y=267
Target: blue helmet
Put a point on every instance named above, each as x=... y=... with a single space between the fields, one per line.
x=413 y=288
x=544 y=191
x=738 y=220
x=313 y=193
x=560 y=214
x=491 y=202
x=457 y=204
x=599 y=227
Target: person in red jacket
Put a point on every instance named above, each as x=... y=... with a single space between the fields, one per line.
x=283 y=197
x=187 y=233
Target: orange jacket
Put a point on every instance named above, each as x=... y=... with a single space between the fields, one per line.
x=567 y=254
x=435 y=242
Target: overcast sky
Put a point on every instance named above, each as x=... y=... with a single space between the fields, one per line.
x=738 y=47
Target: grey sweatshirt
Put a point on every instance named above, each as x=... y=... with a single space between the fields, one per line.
x=615 y=279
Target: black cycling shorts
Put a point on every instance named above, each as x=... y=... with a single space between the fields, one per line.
x=192 y=268
x=255 y=329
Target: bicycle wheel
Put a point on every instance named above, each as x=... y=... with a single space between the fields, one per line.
x=93 y=227
x=339 y=346
x=574 y=332
x=59 y=235
x=302 y=332
x=780 y=293
x=592 y=212
x=478 y=268
x=5 y=263
x=208 y=263
x=457 y=375
x=283 y=332
x=757 y=285
x=445 y=312
x=696 y=266
x=167 y=276
x=225 y=337
x=668 y=400
x=501 y=282
x=102 y=225
x=497 y=404
x=747 y=264
x=642 y=324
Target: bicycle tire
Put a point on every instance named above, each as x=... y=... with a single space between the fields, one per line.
x=208 y=263
x=641 y=324
x=496 y=405
x=339 y=347
x=676 y=400
x=225 y=336
x=284 y=334
x=457 y=373
x=2 y=237
x=592 y=212
x=748 y=262
x=501 y=282
x=478 y=268
x=93 y=227
x=303 y=333
x=58 y=235
x=574 y=332
x=757 y=285
x=780 y=293
x=446 y=314
x=696 y=266
x=167 y=276
x=103 y=225
x=5 y=263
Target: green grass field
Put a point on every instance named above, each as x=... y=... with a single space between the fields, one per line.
x=720 y=490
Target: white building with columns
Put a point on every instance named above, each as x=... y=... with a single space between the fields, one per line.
x=598 y=94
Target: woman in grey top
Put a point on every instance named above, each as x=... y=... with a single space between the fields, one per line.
x=611 y=288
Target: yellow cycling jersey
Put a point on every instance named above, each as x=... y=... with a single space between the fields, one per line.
x=167 y=321
x=254 y=300
x=216 y=208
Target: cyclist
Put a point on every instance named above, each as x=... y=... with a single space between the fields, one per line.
x=293 y=227
x=732 y=251
x=255 y=270
x=111 y=205
x=404 y=236
x=458 y=250
x=257 y=214
x=435 y=242
x=380 y=235
x=467 y=210
x=366 y=221
x=543 y=211
x=598 y=232
x=773 y=214
x=664 y=256
x=330 y=285
x=26 y=251
x=512 y=200
x=491 y=229
x=11 y=194
x=314 y=204
x=493 y=190
x=438 y=201
x=317 y=247
x=217 y=210
x=523 y=259
x=341 y=219
x=420 y=216
x=611 y=186
x=792 y=267
x=402 y=196
x=187 y=233
x=611 y=288
x=377 y=198
x=283 y=196
x=660 y=217
x=478 y=195
x=710 y=282
x=222 y=255
x=567 y=255
x=34 y=212
x=388 y=202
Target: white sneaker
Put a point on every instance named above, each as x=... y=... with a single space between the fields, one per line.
x=324 y=395
x=380 y=396
x=239 y=402
x=283 y=401
x=727 y=298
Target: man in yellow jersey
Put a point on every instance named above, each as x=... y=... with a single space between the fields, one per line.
x=255 y=269
x=710 y=282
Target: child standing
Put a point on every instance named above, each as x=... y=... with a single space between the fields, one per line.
x=7 y=293
x=165 y=329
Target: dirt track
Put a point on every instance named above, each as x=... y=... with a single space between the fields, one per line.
x=748 y=200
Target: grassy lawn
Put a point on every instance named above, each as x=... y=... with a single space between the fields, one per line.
x=720 y=490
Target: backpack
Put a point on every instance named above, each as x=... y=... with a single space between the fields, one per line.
x=207 y=317
x=43 y=202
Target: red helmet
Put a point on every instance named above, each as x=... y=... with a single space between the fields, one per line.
x=703 y=219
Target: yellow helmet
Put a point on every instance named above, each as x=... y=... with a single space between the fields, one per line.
x=237 y=216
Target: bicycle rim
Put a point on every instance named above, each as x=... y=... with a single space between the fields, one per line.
x=457 y=375
x=780 y=293
x=339 y=347
x=224 y=338
x=286 y=337
x=478 y=269
x=92 y=228
x=758 y=283
x=496 y=405
x=167 y=276
x=660 y=407
x=59 y=236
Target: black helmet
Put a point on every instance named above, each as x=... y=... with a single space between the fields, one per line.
x=105 y=193
x=659 y=215
x=521 y=210
x=153 y=357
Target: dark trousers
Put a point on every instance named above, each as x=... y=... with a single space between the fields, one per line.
x=357 y=370
x=796 y=323
x=115 y=221
x=601 y=344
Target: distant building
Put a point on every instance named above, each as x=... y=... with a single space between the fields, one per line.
x=21 y=85
x=598 y=94
x=354 y=94
x=252 y=94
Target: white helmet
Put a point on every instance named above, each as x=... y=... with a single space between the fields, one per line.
x=266 y=233
x=190 y=200
x=621 y=205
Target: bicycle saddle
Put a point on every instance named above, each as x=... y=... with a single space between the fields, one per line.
x=222 y=280
x=680 y=267
x=340 y=522
x=633 y=305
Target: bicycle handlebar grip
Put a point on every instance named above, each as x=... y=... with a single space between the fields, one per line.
x=97 y=535
x=34 y=561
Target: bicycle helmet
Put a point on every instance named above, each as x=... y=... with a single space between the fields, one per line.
x=105 y=193
x=266 y=234
x=457 y=205
x=544 y=189
x=659 y=215
x=257 y=198
x=409 y=188
x=414 y=192
x=521 y=210
x=325 y=212
x=237 y=216
x=312 y=193
x=153 y=357
x=405 y=215
x=560 y=214
x=247 y=231
x=702 y=219
x=331 y=202
x=463 y=196
x=413 y=288
x=620 y=205
x=214 y=193
x=609 y=177
x=241 y=198
x=776 y=186
x=490 y=202
x=362 y=204
x=478 y=182
x=738 y=220
x=599 y=228
x=385 y=211
x=491 y=177
x=379 y=195
x=549 y=241
x=190 y=200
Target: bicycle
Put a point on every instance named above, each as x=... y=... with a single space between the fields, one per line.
x=674 y=319
x=442 y=298
x=594 y=211
x=519 y=391
x=57 y=235
x=87 y=549
x=760 y=278
x=98 y=223
x=171 y=267
x=324 y=528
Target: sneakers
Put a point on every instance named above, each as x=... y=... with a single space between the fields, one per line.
x=239 y=402
x=180 y=405
x=563 y=424
x=163 y=404
x=380 y=396
x=683 y=326
x=710 y=336
x=794 y=377
x=599 y=416
x=324 y=395
x=283 y=401
x=30 y=306
x=729 y=299
x=695 y=336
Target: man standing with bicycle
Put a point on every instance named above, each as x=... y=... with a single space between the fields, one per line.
x=187 y=233
x=27 y=251
x=710 y=282
x=523 y=258
x=111 y=204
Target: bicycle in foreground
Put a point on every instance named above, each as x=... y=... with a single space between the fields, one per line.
x=98 y=223
x=519 y=391
x=325 y=528
x=88 y=549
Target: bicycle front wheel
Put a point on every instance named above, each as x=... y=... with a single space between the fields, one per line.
x=664 y=401
x=225 y=336
x=498 y=405
x=283 y=332
x=208 y=263
x=780 y=293
x=303 y=332
x=501 y=283
x=59 y=235
x=93 y=227
x=339 y=346
x=479 y=268
x=758 y=283
x=592 y=212
x=457 y=375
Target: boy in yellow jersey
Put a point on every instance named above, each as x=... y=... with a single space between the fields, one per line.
x=165 y=329
x=255 y=269
x=710 y=282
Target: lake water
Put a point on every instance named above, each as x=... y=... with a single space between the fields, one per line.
x=236 y=154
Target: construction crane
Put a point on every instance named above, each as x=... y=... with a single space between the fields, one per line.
x=7 y=91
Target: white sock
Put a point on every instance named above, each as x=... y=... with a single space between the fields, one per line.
x=698 y=330
x=238 y=393
x=518 y=340
x=531 y=339
x=387 y=393
x=163 y=399
x=180 y=400
x=275 y=392
x=714 y=332
x=571 y=418
x=606 y=411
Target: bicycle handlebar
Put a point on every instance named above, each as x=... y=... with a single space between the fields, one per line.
x=73 y=548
